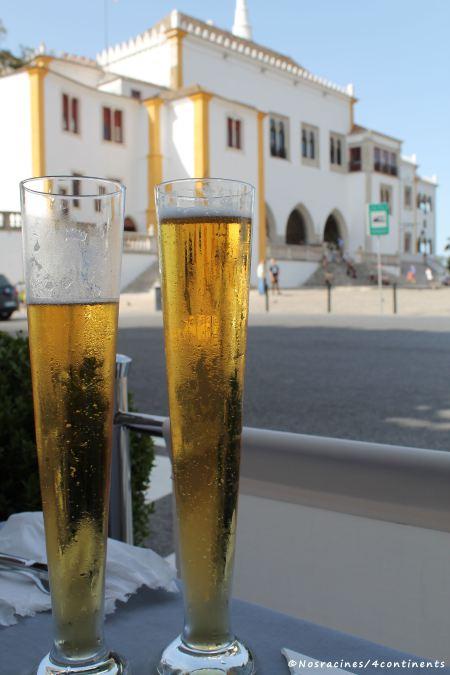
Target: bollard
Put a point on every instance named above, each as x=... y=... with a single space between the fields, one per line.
x=158 y=303
x=394 y=288
x=328 y=284
x=266 y=293
x=121 y=505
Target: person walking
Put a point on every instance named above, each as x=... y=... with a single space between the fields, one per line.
x=411 y=276
x=274 y=276
x=261 y=274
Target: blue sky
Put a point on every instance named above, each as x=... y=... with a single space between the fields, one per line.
x=396 y=52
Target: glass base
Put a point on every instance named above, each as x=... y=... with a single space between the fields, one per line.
x=113 y=664
x=233 y=659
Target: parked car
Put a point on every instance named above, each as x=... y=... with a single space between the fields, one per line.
x=9 y=298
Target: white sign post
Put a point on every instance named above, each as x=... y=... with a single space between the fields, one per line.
x=378 y=215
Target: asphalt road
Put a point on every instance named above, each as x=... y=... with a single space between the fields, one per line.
x=382 y=380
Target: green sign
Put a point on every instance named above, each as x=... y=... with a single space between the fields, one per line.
x=379 y=218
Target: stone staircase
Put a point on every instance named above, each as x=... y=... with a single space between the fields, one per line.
x=421 y=279
x=365 y=270
x=340 y=278
x=145 y=281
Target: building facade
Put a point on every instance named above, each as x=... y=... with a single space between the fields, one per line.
x=186 y=98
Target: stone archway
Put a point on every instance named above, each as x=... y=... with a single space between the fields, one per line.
x=335 y=229
x=299 y=228
x=296 y=229
x=129 y=224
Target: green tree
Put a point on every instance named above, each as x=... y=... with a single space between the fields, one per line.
x=10 y=61
x=19 y=479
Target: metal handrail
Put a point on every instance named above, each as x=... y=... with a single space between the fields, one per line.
x=146 y=424
x=384 y=482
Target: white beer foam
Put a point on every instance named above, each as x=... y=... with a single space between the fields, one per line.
x=191 y=212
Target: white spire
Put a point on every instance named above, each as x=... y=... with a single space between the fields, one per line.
x=241 y=25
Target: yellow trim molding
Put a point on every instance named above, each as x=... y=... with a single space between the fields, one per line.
x=37 y=72
x=262 y=233
x=154 y=158
x=175 y=37
x=201 y=133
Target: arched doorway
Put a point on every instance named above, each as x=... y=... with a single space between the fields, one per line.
x=296 y=229
x=129 y=224
x=332 y=232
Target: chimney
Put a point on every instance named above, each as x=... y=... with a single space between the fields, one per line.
x=241 y=26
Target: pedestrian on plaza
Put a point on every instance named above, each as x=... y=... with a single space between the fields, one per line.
x=274 y=276
x=261 y=274
x=340 y=244
x=350 y=268
x=411 y=275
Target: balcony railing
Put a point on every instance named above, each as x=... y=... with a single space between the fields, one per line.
x=355 y=165
x=10 y=220
x=305 y=252
x=135 y=242
x=387 y=169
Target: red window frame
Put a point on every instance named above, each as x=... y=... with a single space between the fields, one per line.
x=237 y=124
x=234 y=136
x=230 y=131
x=107 y=126
x=118 y=126
x=355 y=159
x=65 y=112
x=74 y=124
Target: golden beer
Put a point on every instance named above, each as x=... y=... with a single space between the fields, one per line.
x=73 y=350
x=205 y=264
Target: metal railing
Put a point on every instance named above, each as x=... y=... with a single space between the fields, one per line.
x=135 y=242
x=121 y=506
x=386 y=482
x=302 y=252
x=10 y=220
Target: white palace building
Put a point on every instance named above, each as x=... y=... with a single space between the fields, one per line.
x=186 y=98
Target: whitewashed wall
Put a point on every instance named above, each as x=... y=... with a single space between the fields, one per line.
x=382 y=581
x=11 y=255
x=429 y=189
x=87 y=153
x=151 y=64
x=177 y=129
x=86 y=73
x=355 y=193
x=407 y=215
x=123 y=87
x=133 y=264
x=294 y=273
x=236 y=164
x=15 y=138
x=289 y=183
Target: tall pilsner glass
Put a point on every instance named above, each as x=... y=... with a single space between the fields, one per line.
x=72 y=238
x=204 y=237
